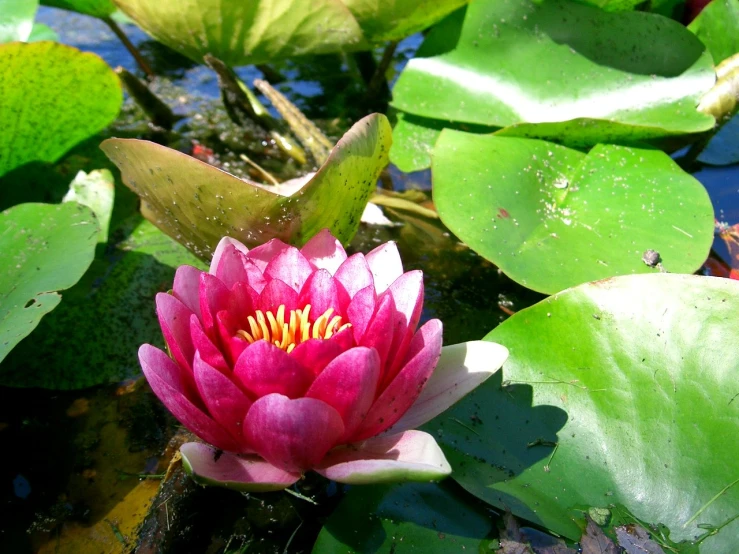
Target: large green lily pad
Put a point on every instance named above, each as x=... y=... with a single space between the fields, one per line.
x=95 y=8
x=622 y=392
x=589 y=75
x=16 y=19
x=105 y=317
x=52 y=97
x=718 y=28
x=241 y=33
x=551 y=217
x=44 y=248
x=197 y=204
x=437 y=518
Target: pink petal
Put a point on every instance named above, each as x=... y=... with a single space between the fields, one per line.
x=208 y=351
x=264 y=368
x=174 y=319
x=224 y=400
x=186 y=287
x=214 y=297
x=322 y=292
x=461 y=368
x=265 y=253
x=315 y=354
x=324 y=251
x=290 y=267
x=407 y=291
x=385 y=264
x=348 y=384
x=278 y=293
x=226 y=245
x=232 y=346
x=163 y=377
x=208 y=466
x=293 y=435
x=360 y=311
x=379 y=333
x=395 y=400
x=242 y=303
x=354 y=274
x=409 y=456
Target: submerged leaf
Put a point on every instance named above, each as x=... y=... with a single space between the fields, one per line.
x=197 y=204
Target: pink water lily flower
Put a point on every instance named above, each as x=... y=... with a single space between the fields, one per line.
x=288 y=360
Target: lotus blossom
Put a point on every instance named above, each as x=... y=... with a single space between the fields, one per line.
x=285 y=360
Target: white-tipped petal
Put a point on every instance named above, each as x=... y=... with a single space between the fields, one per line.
x=409 y=456
x=461 y=369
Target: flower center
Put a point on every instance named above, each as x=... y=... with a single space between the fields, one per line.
x=287 y=333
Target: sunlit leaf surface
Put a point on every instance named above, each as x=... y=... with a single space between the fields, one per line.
x=616 y=393
x=551 y=217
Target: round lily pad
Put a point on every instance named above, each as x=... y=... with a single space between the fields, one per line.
x=552 y=217
x=45 y=248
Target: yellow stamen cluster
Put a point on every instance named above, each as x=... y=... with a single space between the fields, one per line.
x=286 y=334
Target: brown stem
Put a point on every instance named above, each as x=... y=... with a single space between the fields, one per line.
x=143 y=64
x=378 y=83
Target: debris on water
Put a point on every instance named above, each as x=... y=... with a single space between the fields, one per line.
x=594 y=541
x=635 y=540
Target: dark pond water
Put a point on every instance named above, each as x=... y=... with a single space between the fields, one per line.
x=80 y=469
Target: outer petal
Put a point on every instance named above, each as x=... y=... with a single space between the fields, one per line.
x=322 y=292
x=186 y=287
x=324 y=251
x=293 y=435
x=361 y=309
x=226 y=244
x=395 y=400
x=224 y=400
x=265 y=253
x=461 y=368
x=384 y=262
x=315 y=354
x=174 y=319
x=407 y=291
x=409 y=456
x=348 y=384
x=379 y=334
x=290 y=267
x=162 y=374
x=263 y=369
x=354 y=274
x=208 y=466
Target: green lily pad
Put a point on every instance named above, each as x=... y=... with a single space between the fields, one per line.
x=588 y=75
x=42 y=32
x=94 y=338
x=718 y=28
x=95 y=8
x=609 y=401
x=414 y=138
x=45 y=248
x=241 y=33
x=198 y=204
x=551 y=217
x=16 y=19
x=405 y=518
x=52 y=97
